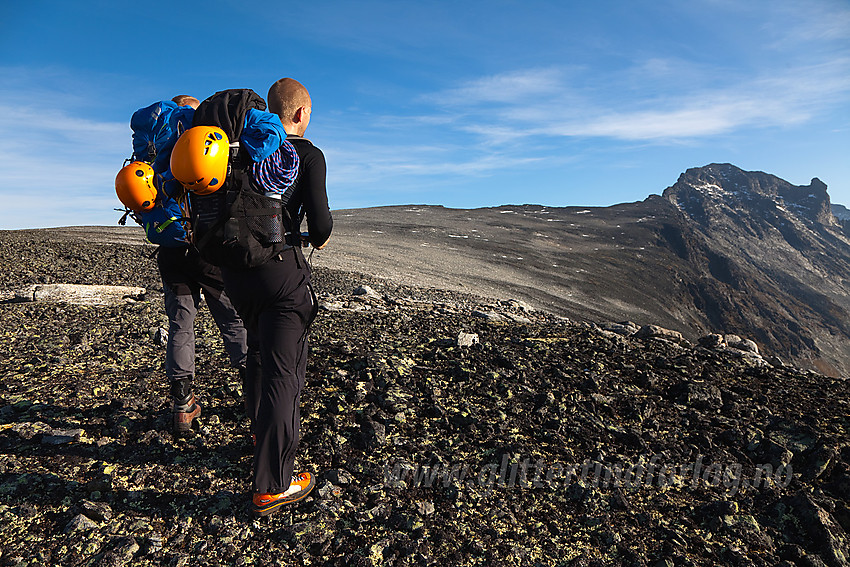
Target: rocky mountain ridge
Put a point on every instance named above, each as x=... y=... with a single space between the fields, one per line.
x=842 y=215
x=752 y=193
x=778 y=259
x=840 y=212
x=722 y=251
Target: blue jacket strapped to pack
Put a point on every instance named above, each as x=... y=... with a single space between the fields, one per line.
x=262 y=134
x=275 y=160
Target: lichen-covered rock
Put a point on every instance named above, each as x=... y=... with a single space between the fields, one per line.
x=656 y=332
x=79 y=524
x=366 y=292
x=467 y=339
x=698 y=394
x=491 y=316
x=97 y=511
x=746 y=345
x=339 y=477
x=712 y=340
x=831 y=540
x=626 y=328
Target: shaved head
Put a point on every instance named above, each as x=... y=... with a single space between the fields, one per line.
x=285 y=98
x=186 y=100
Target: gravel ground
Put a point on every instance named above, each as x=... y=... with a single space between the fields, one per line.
x=750 y=460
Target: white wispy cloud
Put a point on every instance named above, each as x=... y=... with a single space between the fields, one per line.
x=804 y=22
x=365 y=164
x=518 y=119
x=502 y=108
x=55 y=166
x=514 y=87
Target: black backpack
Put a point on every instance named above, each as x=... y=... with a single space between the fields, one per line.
x=237 y=226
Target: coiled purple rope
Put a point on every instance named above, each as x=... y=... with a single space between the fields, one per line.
x=277 y=173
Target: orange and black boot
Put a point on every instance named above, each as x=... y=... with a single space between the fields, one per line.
x=301 y=485
x=184 y=407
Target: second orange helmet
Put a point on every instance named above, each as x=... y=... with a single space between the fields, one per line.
x=135 y=186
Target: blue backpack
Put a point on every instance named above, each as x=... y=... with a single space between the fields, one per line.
x=155 y=130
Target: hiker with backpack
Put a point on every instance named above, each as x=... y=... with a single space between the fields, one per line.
x=185 y=276
x=253 y=178
x=276 y=392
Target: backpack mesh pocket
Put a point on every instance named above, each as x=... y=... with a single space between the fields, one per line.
x=264 y=217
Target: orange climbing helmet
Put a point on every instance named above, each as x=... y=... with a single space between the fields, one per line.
x=199 y=159
x=135 y=187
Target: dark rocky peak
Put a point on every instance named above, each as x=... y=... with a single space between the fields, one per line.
x=706 y=192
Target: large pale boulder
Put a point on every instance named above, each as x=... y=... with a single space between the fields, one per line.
x=81 y=294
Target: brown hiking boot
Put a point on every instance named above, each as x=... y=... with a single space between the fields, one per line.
x=184 y=412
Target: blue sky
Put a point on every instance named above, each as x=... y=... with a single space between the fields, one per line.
x=463 y=104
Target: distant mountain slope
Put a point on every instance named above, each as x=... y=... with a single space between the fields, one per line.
x=840 y=212
x=766 y=258
x=842 y=215
x=722 y=250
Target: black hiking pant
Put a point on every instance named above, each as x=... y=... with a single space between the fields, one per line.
x=277 y=304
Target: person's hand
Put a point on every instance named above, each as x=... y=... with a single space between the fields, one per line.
x=305 y=241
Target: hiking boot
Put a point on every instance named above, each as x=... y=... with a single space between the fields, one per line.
x=184 y=412
x=300 y=487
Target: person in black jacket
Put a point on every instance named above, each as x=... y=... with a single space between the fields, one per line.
x=277 y=303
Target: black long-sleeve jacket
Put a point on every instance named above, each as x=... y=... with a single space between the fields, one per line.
x=311 y=196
